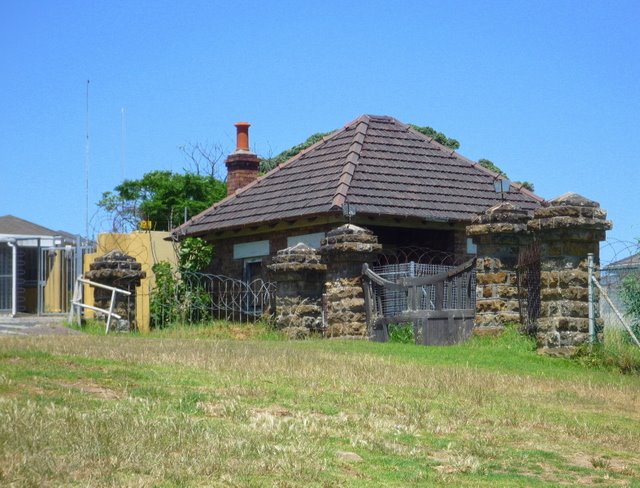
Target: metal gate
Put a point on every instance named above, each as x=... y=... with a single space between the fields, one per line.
x=528 y=276
x=5 y=277
x=58 y=269
x=56 y=275
x=438 y=300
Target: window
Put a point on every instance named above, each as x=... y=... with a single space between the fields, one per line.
x=251 y=249
x=252 y=269
x=251 y=254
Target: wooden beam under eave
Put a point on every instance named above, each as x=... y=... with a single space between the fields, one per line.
x=411 y=223
x=265 y=230
x=331 y=220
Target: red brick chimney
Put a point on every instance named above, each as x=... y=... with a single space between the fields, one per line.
x=242 y=164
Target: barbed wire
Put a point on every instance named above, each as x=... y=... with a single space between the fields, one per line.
x=614 y=250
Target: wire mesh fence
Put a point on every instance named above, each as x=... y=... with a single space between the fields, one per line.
x=459 y=291
x=618 y=293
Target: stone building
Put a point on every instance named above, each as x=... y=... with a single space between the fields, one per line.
x=400 y=184
x=397 y=187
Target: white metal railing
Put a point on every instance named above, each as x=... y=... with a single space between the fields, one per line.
x=76 y=303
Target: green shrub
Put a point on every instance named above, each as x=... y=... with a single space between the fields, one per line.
x=181 y=297
x=402 y=333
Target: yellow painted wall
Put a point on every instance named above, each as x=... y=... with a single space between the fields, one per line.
x=147 y=248
x=56 y=295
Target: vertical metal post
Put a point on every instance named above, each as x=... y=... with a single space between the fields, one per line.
x=14 y=277
x=79 y=265
x=111 y=305
x=592 y=315
x=42 y=263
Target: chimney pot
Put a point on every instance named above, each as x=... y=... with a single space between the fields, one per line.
x=242 y=136
x=242 y=165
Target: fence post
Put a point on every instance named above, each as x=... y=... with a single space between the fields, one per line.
x=592 y=315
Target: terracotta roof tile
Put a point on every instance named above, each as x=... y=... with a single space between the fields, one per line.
x=375 y=162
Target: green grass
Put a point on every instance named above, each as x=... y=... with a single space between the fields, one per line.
x=216 y=329
x=616 y=351
x=190 y=406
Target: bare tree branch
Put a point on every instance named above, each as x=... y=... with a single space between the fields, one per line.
x=203 y=159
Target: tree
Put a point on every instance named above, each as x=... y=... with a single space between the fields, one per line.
x=486 y=163
x=163 y=198
x=203 y=158
x=182 y=297
x=439 y=137
x=267 y=164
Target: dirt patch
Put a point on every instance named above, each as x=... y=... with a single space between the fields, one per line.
x=604 y=464
x=93 y=389
x=272 y=411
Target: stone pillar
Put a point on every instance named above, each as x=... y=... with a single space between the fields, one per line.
x=120 y=271
x=499 y=234
x=300 y=276
x=569 y=228
x=345 y=250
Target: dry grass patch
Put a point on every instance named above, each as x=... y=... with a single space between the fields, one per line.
x=127 y=411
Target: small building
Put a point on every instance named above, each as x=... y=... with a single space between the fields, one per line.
x=37 y=267
x=376 y=172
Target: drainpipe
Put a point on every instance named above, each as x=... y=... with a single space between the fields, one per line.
x=14 y=277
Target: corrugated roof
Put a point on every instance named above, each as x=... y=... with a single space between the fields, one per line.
x=376 y=163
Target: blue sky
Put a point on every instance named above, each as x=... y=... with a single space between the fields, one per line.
x=548 y=90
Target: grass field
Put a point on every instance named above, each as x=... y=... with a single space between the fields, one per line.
x=232 y=406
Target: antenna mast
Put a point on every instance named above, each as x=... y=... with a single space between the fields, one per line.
x=86 y=169
x=123 y=142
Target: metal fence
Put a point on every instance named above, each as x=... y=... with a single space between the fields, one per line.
x=620 y=261
x=597 y=293
x=459 y=291
x=198 y=297
x=528 y=276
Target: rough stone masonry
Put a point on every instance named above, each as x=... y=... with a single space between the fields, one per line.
x=566 y=229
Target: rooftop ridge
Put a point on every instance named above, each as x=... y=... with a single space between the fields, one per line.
x=352 y=160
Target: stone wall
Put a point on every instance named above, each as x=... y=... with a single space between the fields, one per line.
x=566 y=229
x=500 y=233
x=345 y=250
x=322 y=291
x=300 y=276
